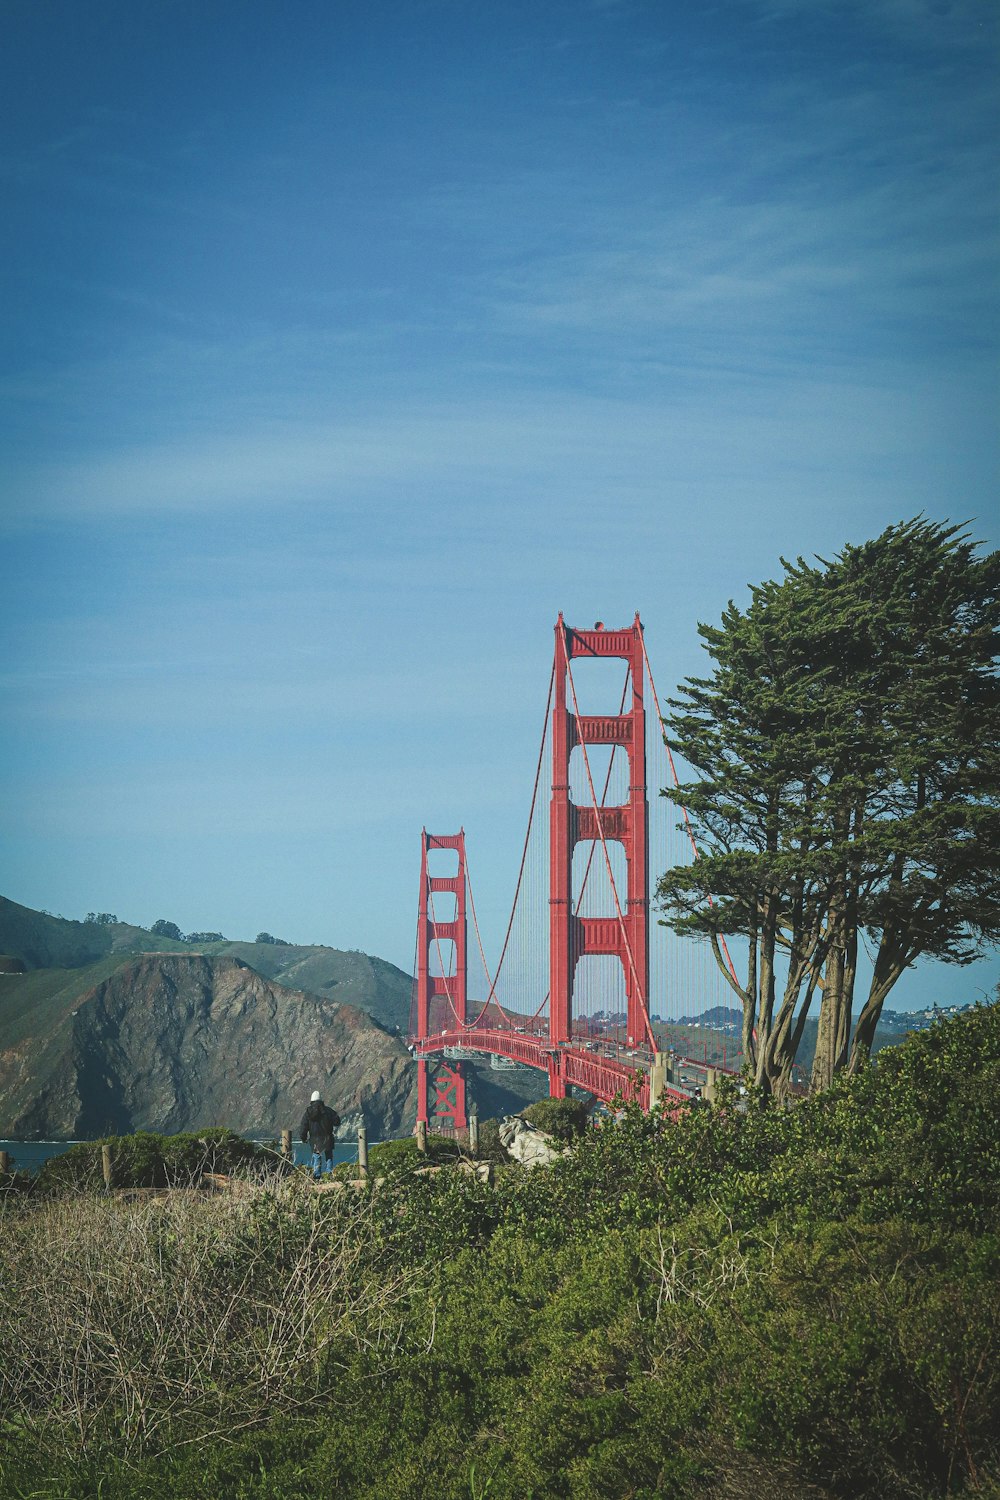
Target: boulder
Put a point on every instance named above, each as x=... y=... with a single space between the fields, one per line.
x=527 y=1144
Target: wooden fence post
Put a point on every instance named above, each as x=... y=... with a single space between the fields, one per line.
x=4 y=1161
x=362 y=1150
x=422 y=1137
x=286 y=1145
x=107 y=1167
x=474 y=1132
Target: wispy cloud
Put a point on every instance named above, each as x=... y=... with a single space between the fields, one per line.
x=466 y=457
x=873 y=212
x=927 y=23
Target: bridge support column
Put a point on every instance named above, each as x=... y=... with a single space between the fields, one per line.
x=561 y=959
x=441 y=997
x=658 y=1078
x=449 y=1086
x=624 y=931
x=557 y=1076
x=421 y=1090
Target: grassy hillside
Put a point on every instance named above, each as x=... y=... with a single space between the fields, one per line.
x=351 y=978
x=46 y=942
x=36 y=1003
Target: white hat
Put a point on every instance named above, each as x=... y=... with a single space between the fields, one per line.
x=315 y=1096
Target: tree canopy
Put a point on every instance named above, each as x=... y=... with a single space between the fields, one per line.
x=162 y=928
x=848 y=751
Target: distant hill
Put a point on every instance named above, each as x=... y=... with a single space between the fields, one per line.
x=718 y=1015
x=113 y=1027
x=46 y=942
x=715 y=1035
x=351 y=977
x=174 y=1042
x=42 y=941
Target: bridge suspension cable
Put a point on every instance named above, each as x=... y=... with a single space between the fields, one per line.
x=492 y=980
x=687 y=821
x=578 y=906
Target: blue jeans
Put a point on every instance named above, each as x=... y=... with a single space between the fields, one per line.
x=319 y=1162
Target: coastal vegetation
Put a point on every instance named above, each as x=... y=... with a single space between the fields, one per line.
x=148 y=1159
x=798 y=1302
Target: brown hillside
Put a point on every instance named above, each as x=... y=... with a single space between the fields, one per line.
x=173 y=1042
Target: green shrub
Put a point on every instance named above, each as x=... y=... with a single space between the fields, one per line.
x=400 y=1158
x=491 y=1148
x=147 y=1160
x=563 y=1119
x=800 y=1303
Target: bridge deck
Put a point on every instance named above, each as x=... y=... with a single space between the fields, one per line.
x=605 y=1077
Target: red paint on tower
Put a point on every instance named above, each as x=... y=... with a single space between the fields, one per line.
x=570 y=937
x=442 y=999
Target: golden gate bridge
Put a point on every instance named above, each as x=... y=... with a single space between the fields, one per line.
x=582 y=977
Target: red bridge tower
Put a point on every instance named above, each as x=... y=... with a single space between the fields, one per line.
x=624 y=932
x=441 y=998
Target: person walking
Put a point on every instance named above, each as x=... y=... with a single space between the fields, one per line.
x=319 y=1130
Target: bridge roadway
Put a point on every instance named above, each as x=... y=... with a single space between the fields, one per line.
x=586 y=1066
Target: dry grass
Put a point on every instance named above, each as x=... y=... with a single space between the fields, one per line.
x=184 y=1314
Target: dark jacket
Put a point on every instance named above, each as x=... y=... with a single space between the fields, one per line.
x=319 y=1125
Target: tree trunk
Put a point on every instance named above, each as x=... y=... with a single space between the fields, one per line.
x=822 y=1068
x=796 y=1038
x=747 y=997
x=766 y=1008
x=750 y=1008
x=845 y=1009
x=889 y=965
x=831 y=1042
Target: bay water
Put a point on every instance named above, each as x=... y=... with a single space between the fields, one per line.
x=28 y=1156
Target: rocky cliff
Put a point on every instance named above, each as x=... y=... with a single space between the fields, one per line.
x=172 y=1042
x=107 y=1026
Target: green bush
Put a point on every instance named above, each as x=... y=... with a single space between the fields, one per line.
x=491 y=1148
x=147 y=1160
x=801 y=1303
x=868 y=1353
x=563 y=1119
x=400 y=1158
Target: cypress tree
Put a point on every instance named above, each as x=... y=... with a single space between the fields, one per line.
x=848 y=749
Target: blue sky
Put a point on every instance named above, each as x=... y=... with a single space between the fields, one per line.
x=344 y=345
